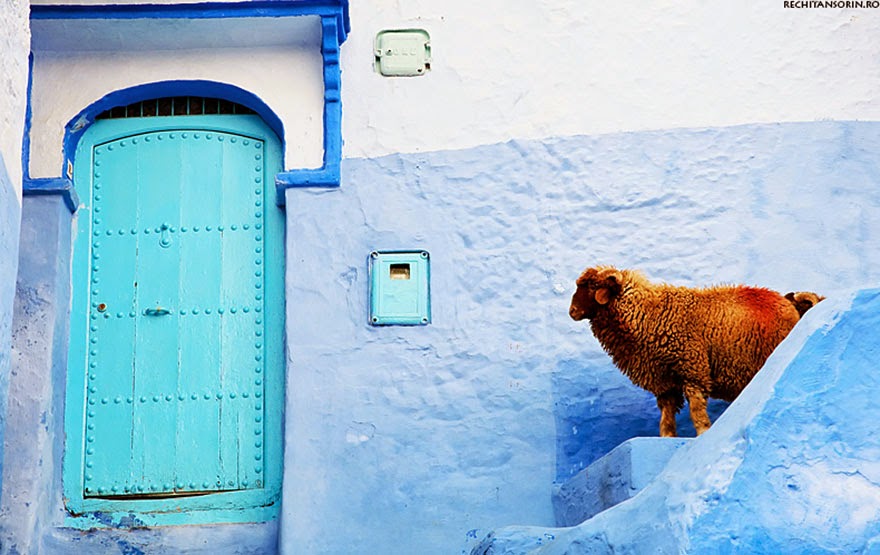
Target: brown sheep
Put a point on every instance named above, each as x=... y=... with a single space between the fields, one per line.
x=803 y=300
x=679 y=342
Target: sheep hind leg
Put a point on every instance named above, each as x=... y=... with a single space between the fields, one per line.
x=669 y=403
x=697 y=404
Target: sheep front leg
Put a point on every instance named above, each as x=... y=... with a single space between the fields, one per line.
x=697 y=404
x=669 y=404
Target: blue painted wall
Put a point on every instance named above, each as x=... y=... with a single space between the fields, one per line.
x=790 y=468
x=422 y=439
x=39 y=347
x=10 y=215
x=32 y=514
x=404 y=440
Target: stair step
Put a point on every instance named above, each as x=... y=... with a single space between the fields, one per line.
x=614 y=478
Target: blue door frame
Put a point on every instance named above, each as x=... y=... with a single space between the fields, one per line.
x=335 y=26
x=176 y=368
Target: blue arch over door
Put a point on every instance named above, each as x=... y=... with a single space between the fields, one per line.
x=77 y=125
x=175 y=379
x=335 y=26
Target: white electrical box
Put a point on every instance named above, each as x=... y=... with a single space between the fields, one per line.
x=403 y=53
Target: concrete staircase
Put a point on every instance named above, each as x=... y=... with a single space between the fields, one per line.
x=614 y=478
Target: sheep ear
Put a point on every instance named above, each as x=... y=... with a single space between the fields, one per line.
x=790 y=296
x=610 y=288
x=612 y=278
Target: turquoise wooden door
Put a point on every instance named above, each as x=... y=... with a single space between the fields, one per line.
x=181 y=288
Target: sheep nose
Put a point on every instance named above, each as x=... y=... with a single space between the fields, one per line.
x=575 y=313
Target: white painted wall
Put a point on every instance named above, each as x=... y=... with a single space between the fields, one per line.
x=543 y=68
x=548 y=68
x=78 y=62
x=14 y=40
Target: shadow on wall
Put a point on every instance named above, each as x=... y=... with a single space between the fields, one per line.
x=593 y=416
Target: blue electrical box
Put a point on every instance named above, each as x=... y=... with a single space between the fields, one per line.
x=399 y=288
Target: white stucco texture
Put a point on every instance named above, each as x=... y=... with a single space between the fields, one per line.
x=77 y=62
x=14 y=40
x=546 y=68
x=549 y=68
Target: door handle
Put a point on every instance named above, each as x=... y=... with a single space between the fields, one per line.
x=165 y=237
x=158 y=311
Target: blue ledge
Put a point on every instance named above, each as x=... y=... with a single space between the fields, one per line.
x=52 y=186
x=324 y=178
x=328 y=175
x=204 y=10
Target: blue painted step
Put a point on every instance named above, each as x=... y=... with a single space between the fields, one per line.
x=614 y=478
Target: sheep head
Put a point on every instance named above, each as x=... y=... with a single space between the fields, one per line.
x=596 y=287
x=803 y=300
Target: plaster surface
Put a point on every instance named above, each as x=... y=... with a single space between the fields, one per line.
x=787 y=469
x=31 y=512
x=14 y=38
x=614 y=478
x=422 y=439
x=14 y=48
x=31 y=478
x=101 y=56
x=10 y=214
x=550 y=68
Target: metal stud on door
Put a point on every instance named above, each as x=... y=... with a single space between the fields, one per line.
x=174 y=393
